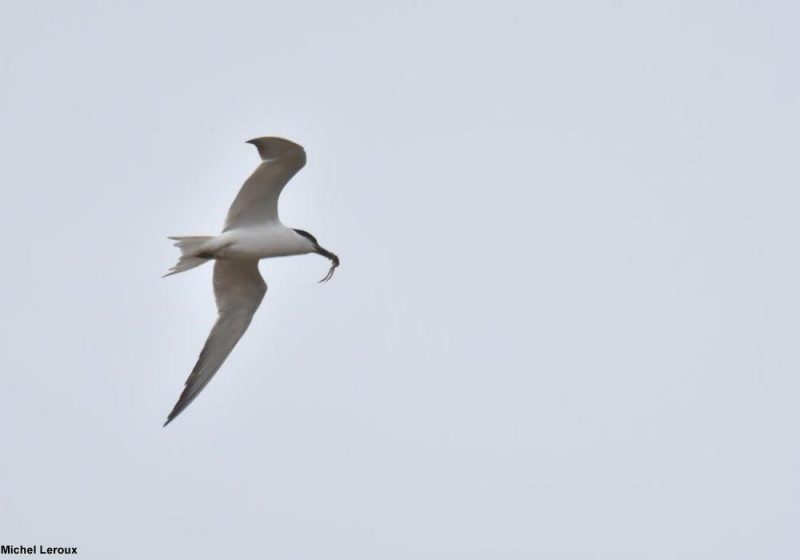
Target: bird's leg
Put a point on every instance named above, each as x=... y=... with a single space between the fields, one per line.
x=334 y=262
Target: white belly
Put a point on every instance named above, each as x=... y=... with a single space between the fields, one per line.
x=274 y=240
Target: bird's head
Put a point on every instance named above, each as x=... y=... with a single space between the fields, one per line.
x=318 y=249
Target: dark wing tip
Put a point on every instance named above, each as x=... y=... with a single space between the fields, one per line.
x=183 y=402
x=272 y=147
x=174 y=413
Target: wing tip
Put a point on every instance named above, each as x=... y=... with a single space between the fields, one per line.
x=274 y=147
x=171 y=417
x=179 y=407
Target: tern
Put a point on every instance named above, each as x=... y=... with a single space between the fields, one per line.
x=252 y=232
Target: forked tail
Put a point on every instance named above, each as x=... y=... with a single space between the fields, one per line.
x=190 y=247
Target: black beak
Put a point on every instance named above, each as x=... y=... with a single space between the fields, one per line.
x=334 y=262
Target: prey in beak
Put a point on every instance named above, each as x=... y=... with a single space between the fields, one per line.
x=334 y=262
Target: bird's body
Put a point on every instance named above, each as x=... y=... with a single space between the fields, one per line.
x=252 y=232
x=260 y=241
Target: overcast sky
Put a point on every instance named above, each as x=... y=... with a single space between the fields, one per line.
x=566 y=325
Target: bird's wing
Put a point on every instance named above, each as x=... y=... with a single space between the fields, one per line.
x=239 y=289
x=257 y=201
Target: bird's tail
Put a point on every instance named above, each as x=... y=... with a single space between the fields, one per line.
x=190 y=246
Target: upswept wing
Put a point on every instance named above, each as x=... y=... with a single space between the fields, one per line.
x=239 y=289
x=257 y=201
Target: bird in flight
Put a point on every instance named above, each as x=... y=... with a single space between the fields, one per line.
x=252 y=232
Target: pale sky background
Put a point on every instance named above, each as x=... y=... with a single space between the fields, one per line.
x=566 y=324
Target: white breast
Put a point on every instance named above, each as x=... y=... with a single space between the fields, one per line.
x=264 y=241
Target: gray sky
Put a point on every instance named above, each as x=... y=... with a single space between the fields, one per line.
x=566 y=322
